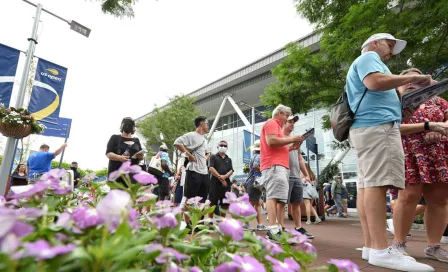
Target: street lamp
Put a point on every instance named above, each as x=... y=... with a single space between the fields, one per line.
x=8 y=155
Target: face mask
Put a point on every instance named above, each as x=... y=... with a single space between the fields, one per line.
x=222 y=149
x=73 y=168
x=128 y=127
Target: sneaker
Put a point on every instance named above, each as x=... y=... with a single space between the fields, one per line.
x=246 y=227
x=308 y=222
x=342 y=216
x=365 y=253
x=401 y=247
x=274 y=235
x=436 y=253
x=444 y=240
x=303 y=231
x=261 y=227
x=393 y=259
x=390 y=226
x=317 y=221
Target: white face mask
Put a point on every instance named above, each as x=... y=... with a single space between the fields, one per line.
x=222 y=149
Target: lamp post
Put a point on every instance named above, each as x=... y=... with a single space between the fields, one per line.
x=11 y=142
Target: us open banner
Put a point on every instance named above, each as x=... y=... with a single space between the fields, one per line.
x=48 y=88
x=9 y=58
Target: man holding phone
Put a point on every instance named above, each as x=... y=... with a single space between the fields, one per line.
x=275 y=167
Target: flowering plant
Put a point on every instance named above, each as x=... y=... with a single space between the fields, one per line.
x=20 y=117
x=48 y=227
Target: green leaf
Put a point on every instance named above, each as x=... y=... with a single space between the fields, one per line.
x=84 y=189
x=189 y=249
x=128 y=254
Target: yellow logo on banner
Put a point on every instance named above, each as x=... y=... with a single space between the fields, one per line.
x=47 y=111
x=53 y=71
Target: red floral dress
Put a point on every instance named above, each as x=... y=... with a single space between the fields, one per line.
x=426 y=163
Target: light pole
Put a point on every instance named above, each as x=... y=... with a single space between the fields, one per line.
x=11 y=142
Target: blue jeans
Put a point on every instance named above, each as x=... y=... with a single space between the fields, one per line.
x=339 y=205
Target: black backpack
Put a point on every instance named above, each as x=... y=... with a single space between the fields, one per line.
x=342 y=116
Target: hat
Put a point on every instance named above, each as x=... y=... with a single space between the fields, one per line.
x=163 y=147
x=256 y=146
x=325 y=184
x=399 y=45
x=293 y=117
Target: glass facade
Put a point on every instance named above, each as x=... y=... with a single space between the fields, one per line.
x=230 y=128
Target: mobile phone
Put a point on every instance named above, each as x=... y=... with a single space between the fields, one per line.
x=140 y=152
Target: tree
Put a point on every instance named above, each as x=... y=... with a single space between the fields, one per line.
x=308 y=80
x=119 y=8
x=172 y=120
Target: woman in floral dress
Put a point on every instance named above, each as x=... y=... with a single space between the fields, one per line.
x=426 y=151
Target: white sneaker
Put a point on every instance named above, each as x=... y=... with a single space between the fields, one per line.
x=317 y=221
x=365 y=253
x=308 y=222
x=444 y=240
x=393 y=259
x=390 y=226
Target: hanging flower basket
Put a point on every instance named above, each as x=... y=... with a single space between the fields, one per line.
x=18 y=123
x=15 y=131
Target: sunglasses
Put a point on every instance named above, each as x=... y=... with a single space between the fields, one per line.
x=222 y=145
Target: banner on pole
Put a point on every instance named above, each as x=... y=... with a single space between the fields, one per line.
x=247 y=144
x=60 y=130
x=48 y=88
x=9 y=58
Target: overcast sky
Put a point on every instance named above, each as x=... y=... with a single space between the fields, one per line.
x=128 y=65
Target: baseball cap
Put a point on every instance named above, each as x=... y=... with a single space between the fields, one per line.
x=399 y=44
x=163 y=147
x=293 y=117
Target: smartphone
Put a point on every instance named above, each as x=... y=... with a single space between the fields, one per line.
x=140 y=152
x=308 y=134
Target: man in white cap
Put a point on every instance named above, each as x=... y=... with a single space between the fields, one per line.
x=163 y=181
x=375 y=138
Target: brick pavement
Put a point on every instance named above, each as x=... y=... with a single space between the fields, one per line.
x=339 y=238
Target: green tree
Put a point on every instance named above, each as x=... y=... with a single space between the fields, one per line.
x=308 y=80
x=172 y=120
x=101 y=173
x=119 y=8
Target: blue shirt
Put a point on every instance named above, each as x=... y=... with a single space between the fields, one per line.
x=254 y=162
x=164 y=156
x=377 y=107
x=40 y=162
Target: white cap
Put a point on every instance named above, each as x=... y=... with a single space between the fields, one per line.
x=163 y=147
x=399 y=45
x=293 y=117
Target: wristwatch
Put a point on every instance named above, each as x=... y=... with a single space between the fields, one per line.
x=426 y=126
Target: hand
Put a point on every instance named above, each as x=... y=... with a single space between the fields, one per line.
x=64 y=145
x=432 y=137
x=222 y=178
x=140 y=156
x=224 y=182
x=422 y=80
x=408 y=113
x=294 y=147
x=307 y=179
x=191 y=158
x=123 y=158
x=440 y=127
x=298 y=140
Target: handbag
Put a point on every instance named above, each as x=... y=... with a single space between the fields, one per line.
x=155 y=166
x=342 y=116
x=310 y=190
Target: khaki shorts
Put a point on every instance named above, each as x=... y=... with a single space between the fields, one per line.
x=276 y=182
x=380 y=156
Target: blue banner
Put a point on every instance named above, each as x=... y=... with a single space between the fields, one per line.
x=241 y=179
x=247 y=143
x=48 y=88
x=61 y=130
x=9 y=58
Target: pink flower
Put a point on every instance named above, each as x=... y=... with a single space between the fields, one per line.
x=232 y=227
x=125 y=168
x=85 y=217
x=145 y=178
x=41 y=249
x=288 y=265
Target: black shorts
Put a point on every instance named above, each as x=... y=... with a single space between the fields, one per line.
x=295 y=194
x=254 y=193
x=163 y=188
x=218 y=192
x=178 y=194
x=196 y=185
x=330 y=202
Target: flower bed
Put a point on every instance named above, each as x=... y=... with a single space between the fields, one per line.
x=49 y=228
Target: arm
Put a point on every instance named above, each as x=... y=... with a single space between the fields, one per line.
x=180 y=143
x=57 y=152
x=274 y=141
x=228 y=174
x=333 y=187
x=406 y=129
x=303 y=168
x=111 y=149
x=383 y=82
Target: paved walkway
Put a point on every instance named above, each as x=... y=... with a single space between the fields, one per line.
x=339 y=239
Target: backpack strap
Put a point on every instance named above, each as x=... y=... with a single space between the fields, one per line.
x=360 y=102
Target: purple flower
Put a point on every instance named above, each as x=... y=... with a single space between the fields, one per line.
x=113 y=206
x=169 y=254
x=10 y=244
x=125 y=168
x=27 y=213
x=64 y=220
x=133 y=219
x=163 y=206
x=344 y=265
x=53 y=174
x=61 y=237
x=172 y=267
x=288 y=265
x=11 y=224
x=242 y=209
x=85 y=217
x=194 y=201
x=297 y=237
x=89 y=177
x=2 y=201
x=241 y=264
x=37 y=189
x=145 y=178
x=147 y=195
x=231 y=197
x=153 y=247
x=60 y=187
x=307 y=247
x=270 y=246
x=232 y=227
x=41 y=249
x=195 y=269
x=167 y=220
